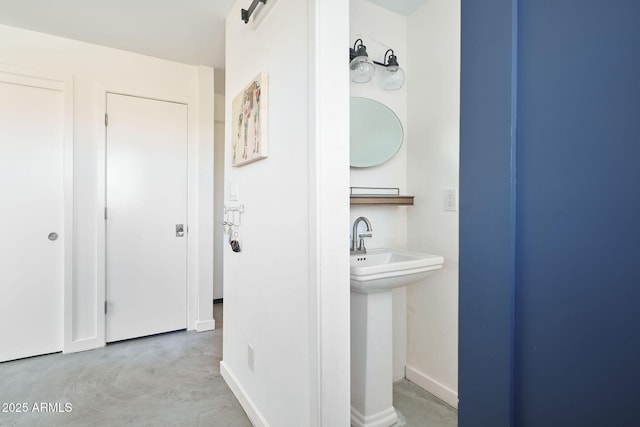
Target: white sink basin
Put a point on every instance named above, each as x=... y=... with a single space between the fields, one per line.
x=380 y=270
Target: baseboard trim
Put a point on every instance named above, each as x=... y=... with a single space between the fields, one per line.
x=388 y=417
x=205 y=325
x=83 y=345
x=439 y=390
x=247 y=404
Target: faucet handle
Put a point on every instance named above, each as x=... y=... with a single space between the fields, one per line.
x=361 y=246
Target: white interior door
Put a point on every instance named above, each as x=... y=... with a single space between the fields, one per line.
x=31 y=207
x=146 y=202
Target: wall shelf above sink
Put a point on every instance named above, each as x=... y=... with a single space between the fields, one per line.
x=382 y=200
x=379 y=196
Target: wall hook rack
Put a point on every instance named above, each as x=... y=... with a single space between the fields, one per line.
x=245 y=14
x=233 y=215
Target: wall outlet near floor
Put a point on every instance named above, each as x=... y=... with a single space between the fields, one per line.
x=450 y=200
x=250 y=356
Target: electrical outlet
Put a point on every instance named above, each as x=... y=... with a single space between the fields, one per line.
x=250 y=356
x=450 y=202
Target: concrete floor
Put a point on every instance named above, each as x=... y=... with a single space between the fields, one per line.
x=417 y=408
x=165 y=380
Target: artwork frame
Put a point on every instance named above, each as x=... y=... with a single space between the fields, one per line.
x=249 y=122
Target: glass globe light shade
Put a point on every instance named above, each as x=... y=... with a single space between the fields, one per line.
x=393 y=78
x=361 y=69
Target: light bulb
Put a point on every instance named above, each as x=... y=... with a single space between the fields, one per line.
x=392 y=78
x=361 y=69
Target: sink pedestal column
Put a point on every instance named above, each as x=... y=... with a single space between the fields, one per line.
x=371 y=360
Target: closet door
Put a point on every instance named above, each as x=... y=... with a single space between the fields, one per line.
x=146 y=217
x=32 y=218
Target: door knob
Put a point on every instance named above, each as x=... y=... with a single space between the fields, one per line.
x=179 y=230
x=53 y=236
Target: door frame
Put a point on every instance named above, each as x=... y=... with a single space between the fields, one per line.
x=192 y=193
x=65 y=84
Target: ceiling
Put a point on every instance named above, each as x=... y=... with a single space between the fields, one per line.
x=403 y=7
x=187 y=31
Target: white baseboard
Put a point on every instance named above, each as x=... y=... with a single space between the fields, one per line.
x=249 y=407
x=83 y=345
x=205 y=325
x=439 y=390
x=385 y=418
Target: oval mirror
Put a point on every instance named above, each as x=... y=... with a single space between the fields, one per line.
x=376 y=133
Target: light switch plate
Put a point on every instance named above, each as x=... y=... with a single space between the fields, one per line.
x=450 y=200
x=233 y=191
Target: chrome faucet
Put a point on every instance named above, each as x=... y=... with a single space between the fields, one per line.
x=360 y=249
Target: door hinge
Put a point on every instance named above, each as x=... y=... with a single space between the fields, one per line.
x=105 y=307
x=105 y=213
x=106 y=119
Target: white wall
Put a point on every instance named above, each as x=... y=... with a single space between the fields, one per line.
x=218 y=191
x=205 y=224
x=266 y=285
x=380 y=30
x=96 y=69
x=287 y=293
x=433 y=165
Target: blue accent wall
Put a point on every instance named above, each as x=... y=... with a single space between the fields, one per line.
x=569 y=286
x=578 y=214
x=487 y=207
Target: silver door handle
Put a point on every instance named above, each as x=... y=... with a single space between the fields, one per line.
x=179 y=230
x=52 y=236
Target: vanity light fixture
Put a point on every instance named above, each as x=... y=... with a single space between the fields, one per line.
x=392 y=75
x=362 y=67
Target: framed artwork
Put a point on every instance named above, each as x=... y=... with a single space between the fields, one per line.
x=249 y=122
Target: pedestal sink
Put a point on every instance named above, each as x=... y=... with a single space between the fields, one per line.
x=373 y=276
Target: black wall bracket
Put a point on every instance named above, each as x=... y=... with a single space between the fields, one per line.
x=246 y=13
